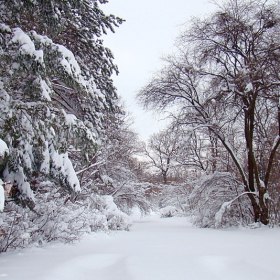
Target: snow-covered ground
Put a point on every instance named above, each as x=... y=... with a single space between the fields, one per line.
x=154 y=249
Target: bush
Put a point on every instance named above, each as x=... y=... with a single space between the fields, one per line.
x=58 y=216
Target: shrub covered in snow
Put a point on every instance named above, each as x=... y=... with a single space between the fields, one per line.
x=58 y=216
x=168 y=212
x=214 y=200
x=172 y=199
x=217 y=201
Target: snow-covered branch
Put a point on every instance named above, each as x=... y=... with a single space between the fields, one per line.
x=226 y=205
x=91 y=166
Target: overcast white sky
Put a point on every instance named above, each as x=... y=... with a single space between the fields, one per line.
x=149 y=32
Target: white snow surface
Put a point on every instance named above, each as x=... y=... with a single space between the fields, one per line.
x=154 y=249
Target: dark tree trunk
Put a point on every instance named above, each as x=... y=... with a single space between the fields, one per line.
x=164 y=176
x=259 y=205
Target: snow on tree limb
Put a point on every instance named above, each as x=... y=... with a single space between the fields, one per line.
x=2 y=196
x=228 y=146
x=27 y=46
x=226 y=205
x=63 y=171
x=275 y=145
x=4 y=150
x=89 y=167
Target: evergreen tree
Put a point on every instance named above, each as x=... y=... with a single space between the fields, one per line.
x=55 y=87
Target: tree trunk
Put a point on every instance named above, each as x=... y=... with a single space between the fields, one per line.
x=259 y=205
x=164 y=176
x=260 y=209
x=264 y=215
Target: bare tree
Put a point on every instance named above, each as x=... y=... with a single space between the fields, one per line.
x=162 y=149
x=226 y=75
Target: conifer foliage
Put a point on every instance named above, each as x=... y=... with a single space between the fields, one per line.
x=55 y=86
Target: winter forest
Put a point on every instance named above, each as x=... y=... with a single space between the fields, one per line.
x=70 y=163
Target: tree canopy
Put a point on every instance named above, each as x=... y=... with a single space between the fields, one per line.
x=55 y=87
x=224 y=81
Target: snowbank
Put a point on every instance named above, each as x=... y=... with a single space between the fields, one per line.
x=161 y=249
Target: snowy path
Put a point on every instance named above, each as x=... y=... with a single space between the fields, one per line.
x=154 y=249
